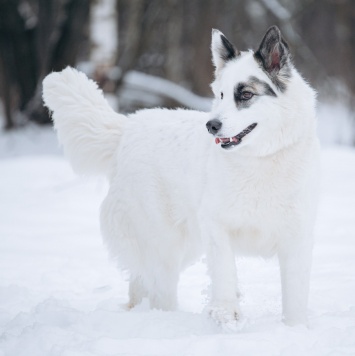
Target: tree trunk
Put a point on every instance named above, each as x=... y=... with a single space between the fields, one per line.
x=36 y=37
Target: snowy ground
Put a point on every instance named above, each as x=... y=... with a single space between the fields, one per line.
x=60 y=295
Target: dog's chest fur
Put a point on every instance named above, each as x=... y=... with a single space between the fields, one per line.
x=255 y=199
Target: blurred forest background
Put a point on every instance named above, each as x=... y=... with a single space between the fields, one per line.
x=157 y=52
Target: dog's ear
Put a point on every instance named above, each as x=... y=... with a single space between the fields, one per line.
x=273 y=52
x=222 y=50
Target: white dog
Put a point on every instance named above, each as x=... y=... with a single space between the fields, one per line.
x=247 y=184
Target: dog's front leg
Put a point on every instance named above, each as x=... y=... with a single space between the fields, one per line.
x=224 y=306
x=295 y=257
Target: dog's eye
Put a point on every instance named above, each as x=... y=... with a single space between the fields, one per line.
x=246 y=95
x=221 y=95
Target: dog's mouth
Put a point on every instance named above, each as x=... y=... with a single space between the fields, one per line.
x=228 y=142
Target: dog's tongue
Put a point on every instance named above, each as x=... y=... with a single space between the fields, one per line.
x=223 y=140
x=226 y=140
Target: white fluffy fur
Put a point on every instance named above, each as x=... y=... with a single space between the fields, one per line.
x=174 y=194
x=87 y=126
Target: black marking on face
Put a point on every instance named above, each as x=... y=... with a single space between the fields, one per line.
x=246 y=93
x=274 y=58
x=229 y=51
x=263 y=86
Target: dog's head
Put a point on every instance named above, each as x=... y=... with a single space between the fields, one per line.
x=261 y=102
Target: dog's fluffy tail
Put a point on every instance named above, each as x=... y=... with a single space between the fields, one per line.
x=87 y=126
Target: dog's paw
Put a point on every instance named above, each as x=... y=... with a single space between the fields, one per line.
x=225 y=315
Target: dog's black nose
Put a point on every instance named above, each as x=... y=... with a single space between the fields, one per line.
x=213 y=126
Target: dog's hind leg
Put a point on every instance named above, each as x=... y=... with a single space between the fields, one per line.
x=163 y=287
x=157 y=280
x=136 y=292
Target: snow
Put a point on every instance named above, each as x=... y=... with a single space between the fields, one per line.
x=103 y=32
x=336 y=124
x=60 y=294
x=28 y=140
x=152 y=88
